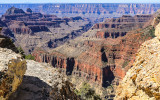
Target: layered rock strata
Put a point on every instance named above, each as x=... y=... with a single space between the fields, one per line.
x=29 y=29
x=119 y=27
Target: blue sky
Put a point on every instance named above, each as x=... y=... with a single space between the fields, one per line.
x=79 y=1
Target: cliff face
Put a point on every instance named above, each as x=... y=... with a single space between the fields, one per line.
x=142 y=80
x=118 y=27
x=100 y=60
x=12 y=68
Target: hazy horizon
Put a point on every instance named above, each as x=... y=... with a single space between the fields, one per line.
x=79 y=1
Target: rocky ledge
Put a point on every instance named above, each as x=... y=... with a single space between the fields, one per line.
x=43 y=82
x=12 y=70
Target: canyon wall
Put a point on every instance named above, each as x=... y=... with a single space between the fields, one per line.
x=101 y=61
x=118 y=27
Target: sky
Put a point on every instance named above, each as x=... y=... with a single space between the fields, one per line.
x=79 y=1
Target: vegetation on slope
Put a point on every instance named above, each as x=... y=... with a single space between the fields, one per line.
x=87 y=93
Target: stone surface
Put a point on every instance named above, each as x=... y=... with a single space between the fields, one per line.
x=41 y=81
x=5 y=56
x=157 y=31
x=142 y=80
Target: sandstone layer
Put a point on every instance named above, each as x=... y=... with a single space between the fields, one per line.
x=142 y=80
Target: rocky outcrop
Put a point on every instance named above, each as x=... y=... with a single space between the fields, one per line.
x=11 y=72
x=12 y=68
x=29 y=10
x=142 y=80
x=41 y=81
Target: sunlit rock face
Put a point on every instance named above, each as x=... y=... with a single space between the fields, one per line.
x=142 y=80
x=11 y=72
x=157 y=31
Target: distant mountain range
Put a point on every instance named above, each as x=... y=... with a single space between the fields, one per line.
x=105 y=8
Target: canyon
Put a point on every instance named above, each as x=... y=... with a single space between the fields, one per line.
x=70 y=51
x=98 y=59
x=30 y=30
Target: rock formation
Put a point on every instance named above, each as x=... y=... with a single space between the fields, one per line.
x=12 y=69
x=142 y=80
x=12 y=78
x=29 y=10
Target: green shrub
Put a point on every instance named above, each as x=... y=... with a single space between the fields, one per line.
x=87 y=93
x=125 y=64
x=20 y=51
x=149 y=32
x=30 y=57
